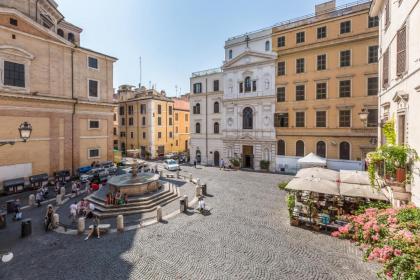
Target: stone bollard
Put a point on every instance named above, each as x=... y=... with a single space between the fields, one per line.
x=62 y=192
x=159 y=214
x=161 y=173
x=186 y=201
x=120 y=223
x=197 y=191
x=81 y=225
x=58 y=199
x=191 y=177
x=56 y=220
x=31 y=200
x=198 y=182
x=177 y=174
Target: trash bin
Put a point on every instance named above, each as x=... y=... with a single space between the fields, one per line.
x=3 y=222
x=182 y=207
x=10 y=206
x=26 y=228
x=204 y=189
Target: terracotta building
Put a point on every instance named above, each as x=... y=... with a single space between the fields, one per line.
x=327 y=73
x=151 y=122
x=62 y=89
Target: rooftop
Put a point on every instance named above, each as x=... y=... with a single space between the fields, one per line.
x=207 y=72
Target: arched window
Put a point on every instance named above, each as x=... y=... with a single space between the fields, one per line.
x=230 y=54
x=247 y=84
x=216 y=107
x=267 y=46
x=321 y=149
x=345 y=150
x=197 y=128
x=247 y=118
x=70 y=37
x=300 y=148
x=60 y=32
x=197 y=108
x=281 y=148
x=216 y=128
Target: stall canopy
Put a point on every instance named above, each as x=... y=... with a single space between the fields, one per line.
x=312 y=160
x=313 y=184
x=14 y=183
x=39 y=178
x=317 y=172
x=356 y=184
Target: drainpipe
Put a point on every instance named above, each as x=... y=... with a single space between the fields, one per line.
x=207 y=139
x=74 y=110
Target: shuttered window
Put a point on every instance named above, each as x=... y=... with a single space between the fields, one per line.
x=385 y=69
x=401 y=51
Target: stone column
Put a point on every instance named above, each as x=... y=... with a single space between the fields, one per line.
x=31 y=200
x=56 y=220
x=120 y=223
x=81 y=225
x=159 y=214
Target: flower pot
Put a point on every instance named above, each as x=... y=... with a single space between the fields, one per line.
x=401 y=176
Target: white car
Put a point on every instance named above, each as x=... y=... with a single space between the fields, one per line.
x=171 y=165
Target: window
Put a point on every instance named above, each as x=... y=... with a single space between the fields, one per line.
x=93 y=153
x=321 y=62
x=300 y=65
x=115 y=131
x=216 y=85
x=230 y=54
x=345 y=58
x=267 y=46
x=321 y=32
x=373 y=22
x=197 y=88
x=130 y=121
x=345 y=88
x=247 y=84
x=241 y=87
x=300 y=92
x=186 y=129
x=142 y=109
x=254 y=85
x=115 y=117
x=171 y=134
x=385 y=69
x=186 y=117
x=14 y=74
x=159 y=135
x=321 y=149
x=345 y=150
x=281 y=94
x=14 y=22
x=93 y=124
x=281 y=120
x=216 y=107
x=170 y=110
x=93 y=62
x=60 y=32
x=300 y=37
x=159 y=107
x=196 y=109
x=176 y=129
x=321 y=91
x=281 y=41
x=144 y=135
x=122 y=111
x=300 y=148
x=216 y=128
x=197 y=128
x=373 y=86
x=159 y=121
x=130 y=109
x=300 y=119
x=70 y=37
x=321 y=119
x=176 y=117
x=372 y=120
x=143 y=121
x=345 y=27
x=170 y=121
x=132 y=135
x=247 y=118
x=93 y=88
x=401 y=51
x=122 y=134
x=281 y=68
x=373 y=54
x=122 y=121
x=281 y=148
x=345 y=118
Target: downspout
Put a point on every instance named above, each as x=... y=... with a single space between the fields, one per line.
x=74 y=110
x=207 y=139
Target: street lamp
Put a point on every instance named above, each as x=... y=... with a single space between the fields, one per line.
x=25 y=130
x=363 y=115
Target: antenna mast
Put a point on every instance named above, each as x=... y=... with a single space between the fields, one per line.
x=140 y=71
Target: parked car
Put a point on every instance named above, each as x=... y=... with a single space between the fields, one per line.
x=182 y=159
x=171 y=156
x=171 y=165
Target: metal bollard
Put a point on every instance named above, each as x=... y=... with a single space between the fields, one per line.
x=159 y=214
x=31 y=200
x=81 y=225
x=56 y=220
x=120 y=223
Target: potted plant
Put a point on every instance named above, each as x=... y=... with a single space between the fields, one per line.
x=235 y=163
x=264 y=165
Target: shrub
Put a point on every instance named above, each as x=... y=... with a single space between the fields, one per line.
x=282 y=185
x=235 y=162
x=264 y=164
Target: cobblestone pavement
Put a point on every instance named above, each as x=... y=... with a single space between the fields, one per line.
x=247 y=236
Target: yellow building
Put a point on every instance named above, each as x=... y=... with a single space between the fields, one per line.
x=181 y=124
x=62 y=89
x=147 y=122
x=327 y=73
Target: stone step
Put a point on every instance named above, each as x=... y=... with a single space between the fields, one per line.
x=135 y=199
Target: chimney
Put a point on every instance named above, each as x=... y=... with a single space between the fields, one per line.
x=325 y=7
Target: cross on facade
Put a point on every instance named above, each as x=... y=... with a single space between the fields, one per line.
x=247 y=39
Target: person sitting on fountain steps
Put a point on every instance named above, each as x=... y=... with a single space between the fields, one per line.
x=201 y=205
x=95 y=228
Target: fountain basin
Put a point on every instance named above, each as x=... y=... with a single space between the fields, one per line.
x=140 y=184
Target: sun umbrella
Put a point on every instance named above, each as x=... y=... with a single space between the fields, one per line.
x=317 y=185
x=318 y=172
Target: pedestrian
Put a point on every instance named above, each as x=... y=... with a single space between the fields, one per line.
x=18 y=213
x=222 y=164
x=73 y=212
x=48 y=217
x=73 y=189
x=195 y=163
x=44 y=190
x=95 y=228
x=38 y=198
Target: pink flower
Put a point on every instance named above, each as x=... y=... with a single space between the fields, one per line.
x=335 y=234
x=376 y=228
x=397 y=252
x=375 y=237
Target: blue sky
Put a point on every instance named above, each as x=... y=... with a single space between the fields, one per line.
x=173 y=37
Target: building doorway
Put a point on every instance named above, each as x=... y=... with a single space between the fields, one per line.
x=216 y=158
x=248 y=157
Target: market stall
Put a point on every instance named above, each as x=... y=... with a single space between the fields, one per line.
x=312 y=160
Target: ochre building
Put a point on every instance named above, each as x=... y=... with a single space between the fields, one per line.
x=327 y=73
x=62 y=89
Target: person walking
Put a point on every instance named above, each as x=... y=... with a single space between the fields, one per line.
x=38 y=198
x=49 y=217
x=18 y=212
x=222 y=164
x=195 y=163
x=95 y=228
x=73 y=212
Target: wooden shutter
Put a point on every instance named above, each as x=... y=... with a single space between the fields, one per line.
x=385 y=69
x=401 y=51
x=387 y=7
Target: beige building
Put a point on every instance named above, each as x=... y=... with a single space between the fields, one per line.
x=62 y=89
x=327 y=73
x=151 y=122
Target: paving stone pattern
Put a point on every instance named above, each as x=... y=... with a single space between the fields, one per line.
x=247 y=236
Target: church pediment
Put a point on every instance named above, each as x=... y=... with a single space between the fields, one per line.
x=7 y=50
x=246 y=137
x=249 y=57
x=400 y=96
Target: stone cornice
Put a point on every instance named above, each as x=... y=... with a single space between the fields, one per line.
x=36 y=97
